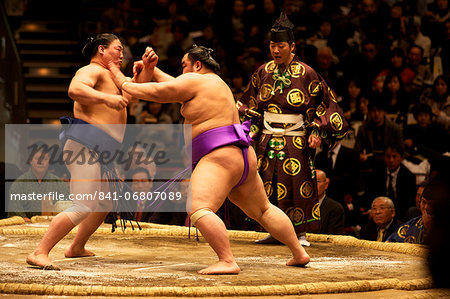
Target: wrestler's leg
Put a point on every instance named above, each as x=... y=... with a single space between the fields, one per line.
x=252 y=199
x=60 y=226
x=84 y=180
x=211 y=183
x=87 y=227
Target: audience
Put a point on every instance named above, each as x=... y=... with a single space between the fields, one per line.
x=37 y=181
x=383 y=223
x=425 y=140
x=341 y=164
x=394 y=180
x=417 y=229
x=438 y=98
x=331 y=212
x=375 y=133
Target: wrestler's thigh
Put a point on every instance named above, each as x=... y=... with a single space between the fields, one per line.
x=211 y=184
x=85 y=173
x=251 y=196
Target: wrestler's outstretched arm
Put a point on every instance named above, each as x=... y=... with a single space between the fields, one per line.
x=177 y=90
x=145 y=70
x=81 y=89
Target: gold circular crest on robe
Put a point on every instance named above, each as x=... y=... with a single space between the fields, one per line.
x=321 y=109
x=299 y=142
x=316 y=211
x=266 y=92
x=295 y=97
x=255 y=80
x=332 y=95
x=336 y=121
x=314 y=88
x=274 y=108
x=270 y=67
x=252 y=103
x=296 y=215
x=402 y=231
x=297 y=69
x=292 y=166
x=282 y=191
x=263 y=163
x=310 y=114
x=268 y=188
x=306 y=189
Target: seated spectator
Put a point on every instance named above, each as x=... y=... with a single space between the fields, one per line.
x=419 y=38
x=367 y=65
x=325 y=36
x=332 y=214
x=326 y=66
x=397 y=25
x=438 y=98
x=349 y=101
x=397 y=100
x=436 y=15
x=341 y=164
x=423 y=74
x=425 y=140
x=397 y=65
x=363 y=108
x=141 y=183
x=383 y=222
x=8 y=173
x=37 y=180
x=154 y=113
x=375 y=133
x=237 y=84
x=394 y=180
x=416 y=229
x=414 y=212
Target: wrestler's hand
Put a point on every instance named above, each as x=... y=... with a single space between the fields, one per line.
x=117 y=75
x=314 y=141
x=150 y=59
x=138 y=66
x=116 y=101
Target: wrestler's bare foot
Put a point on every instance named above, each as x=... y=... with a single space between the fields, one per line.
x=221 y=267
x=41 y=261
x=72 y=252
x=299 y=261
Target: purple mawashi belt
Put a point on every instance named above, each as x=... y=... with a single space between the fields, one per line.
x=235 y=134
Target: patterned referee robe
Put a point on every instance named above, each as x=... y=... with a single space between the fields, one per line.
x=286 y=105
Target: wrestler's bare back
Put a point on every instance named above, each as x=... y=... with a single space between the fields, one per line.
x=212 y=105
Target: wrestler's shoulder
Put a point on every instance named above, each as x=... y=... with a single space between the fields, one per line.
x=92 y=68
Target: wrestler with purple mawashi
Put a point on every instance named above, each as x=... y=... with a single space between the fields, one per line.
x=220 y=150
x=210 y=140
x=225 y=164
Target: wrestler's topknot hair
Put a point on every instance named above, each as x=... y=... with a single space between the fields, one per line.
x=203 y=54
x=91 y=47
